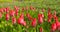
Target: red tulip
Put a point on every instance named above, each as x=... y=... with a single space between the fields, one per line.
x=22 y=15
x=13 y=20
x=12 y=12
x=34 y=22
x=41 y=29
x=53 y=27
x=40 y=18
x=29 y=16
x=55 y=17
x=16 y=13
x=16 y=8
x=26 y=8
x=49 y=16
x=24 y=23
x=7 y=9
x=1 y=10
x=43 y=10
x=42 y=15
x=32 y=8
x=0 y=15
x=54 y=13
x=7 y=17
x=21 y=20
x=49 y=20
x=23 y=9
x=4 y=9
x=58 y=25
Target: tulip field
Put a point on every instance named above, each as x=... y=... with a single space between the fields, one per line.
x=30 y=16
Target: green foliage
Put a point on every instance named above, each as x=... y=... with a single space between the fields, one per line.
x=5 y=1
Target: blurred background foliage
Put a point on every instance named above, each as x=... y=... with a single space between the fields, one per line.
x=54 y=4
x=5 y=1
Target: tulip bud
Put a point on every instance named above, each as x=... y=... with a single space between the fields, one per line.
x=16 y=13
x=12 y=12
x=7 y=17
x=29 y=16
x=49 y=16
x=26 y=8
x=7 y=9
x=13 y=20
x=34 y=22
x=16 y=8
x=41 y=29
x=43 y=10
x=1 y=10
